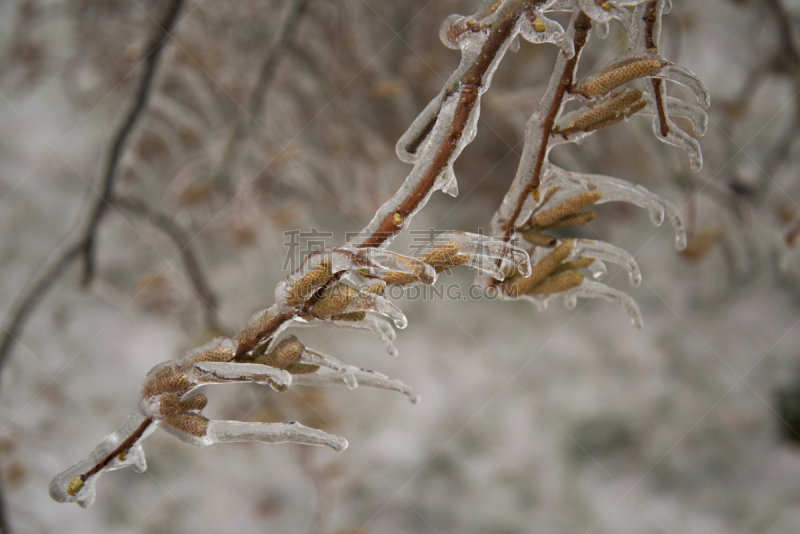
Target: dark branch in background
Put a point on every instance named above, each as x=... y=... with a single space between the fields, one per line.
x=82 y=240
x=280 y=42
x=101 y=200
x=183 y=243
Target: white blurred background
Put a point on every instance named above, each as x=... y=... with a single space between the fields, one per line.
x=562 y=421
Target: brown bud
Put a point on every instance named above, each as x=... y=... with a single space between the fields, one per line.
x=335 y=301
x=171 y=384
x=441 y=254
x=219 y=354
x=582 y=263
x=194 y=404
x=301 y=368
x=621 y=106
x=352 y=316
x=189 y=423
x=549 y=217
x=520 y=286
x=536 y=238
x=575 y=219
x=558 y=283
x=614 y=76
x=313 y=279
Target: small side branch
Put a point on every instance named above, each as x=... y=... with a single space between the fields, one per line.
x=191 y=263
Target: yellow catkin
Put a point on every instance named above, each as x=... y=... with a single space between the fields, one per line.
x=620 y=107
x=558 y=283
x=396 y=278
x=219 y=354
x=610 y=78
x=441 y=254
x=189 y=423
x=251 y=329
x=377 y=289
x=455 y=261
x=568 y=207
x=536 y=238
x=574 y=219
x=288 y=351
x=301 y=368
x=352 y=316
x=194 y=404
x=334 y=302
x=171 y=384
x=74 y=486
x=169 y=404
x=519 y=286
x=582 y=263
x=539 y=26
x=314 y=278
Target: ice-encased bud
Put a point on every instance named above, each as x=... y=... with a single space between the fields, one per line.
x=71 y=486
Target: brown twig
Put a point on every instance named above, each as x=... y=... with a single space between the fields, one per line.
x=191 y=263
x=151 y=57
x=468 y=85
x=123 y=447
x=582 y=24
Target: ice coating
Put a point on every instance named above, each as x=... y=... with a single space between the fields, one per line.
x=225 y=372
x=238 y=431
x=425 y=139
x=69 y=486
x=612 y=190
x=535 y=137
x=365 y=377
x=607 y=252
x=598 y=269
x=379 y=262
x=313 y=357
x=684 y=76
x=589 y=289
x=679 y=108
x=483 y=251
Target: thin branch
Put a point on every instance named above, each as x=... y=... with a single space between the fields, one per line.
x=565 y=79
x=151 y=57
x=183 y=243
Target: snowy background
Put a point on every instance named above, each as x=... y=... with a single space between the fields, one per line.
x=562 y=421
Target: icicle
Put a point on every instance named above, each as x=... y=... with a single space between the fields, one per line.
x=238 y=431
x=598 y=269
x=483 y=252
x=689 y=79
x=570 y=301
x=605 y=251
x=589 y=289
x=365 y=377
x=222 y=372
x=613 y=190
x=541 y=30
x=69 y=486
x=313 y=357
x=450 y=186
x=514 y=47
x=602 y=29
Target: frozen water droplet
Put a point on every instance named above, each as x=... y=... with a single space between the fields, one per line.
x=450 y=182
x=570 y=301
x=514 y=46
x=602 y=29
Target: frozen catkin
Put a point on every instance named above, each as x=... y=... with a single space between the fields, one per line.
x=534 y=250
